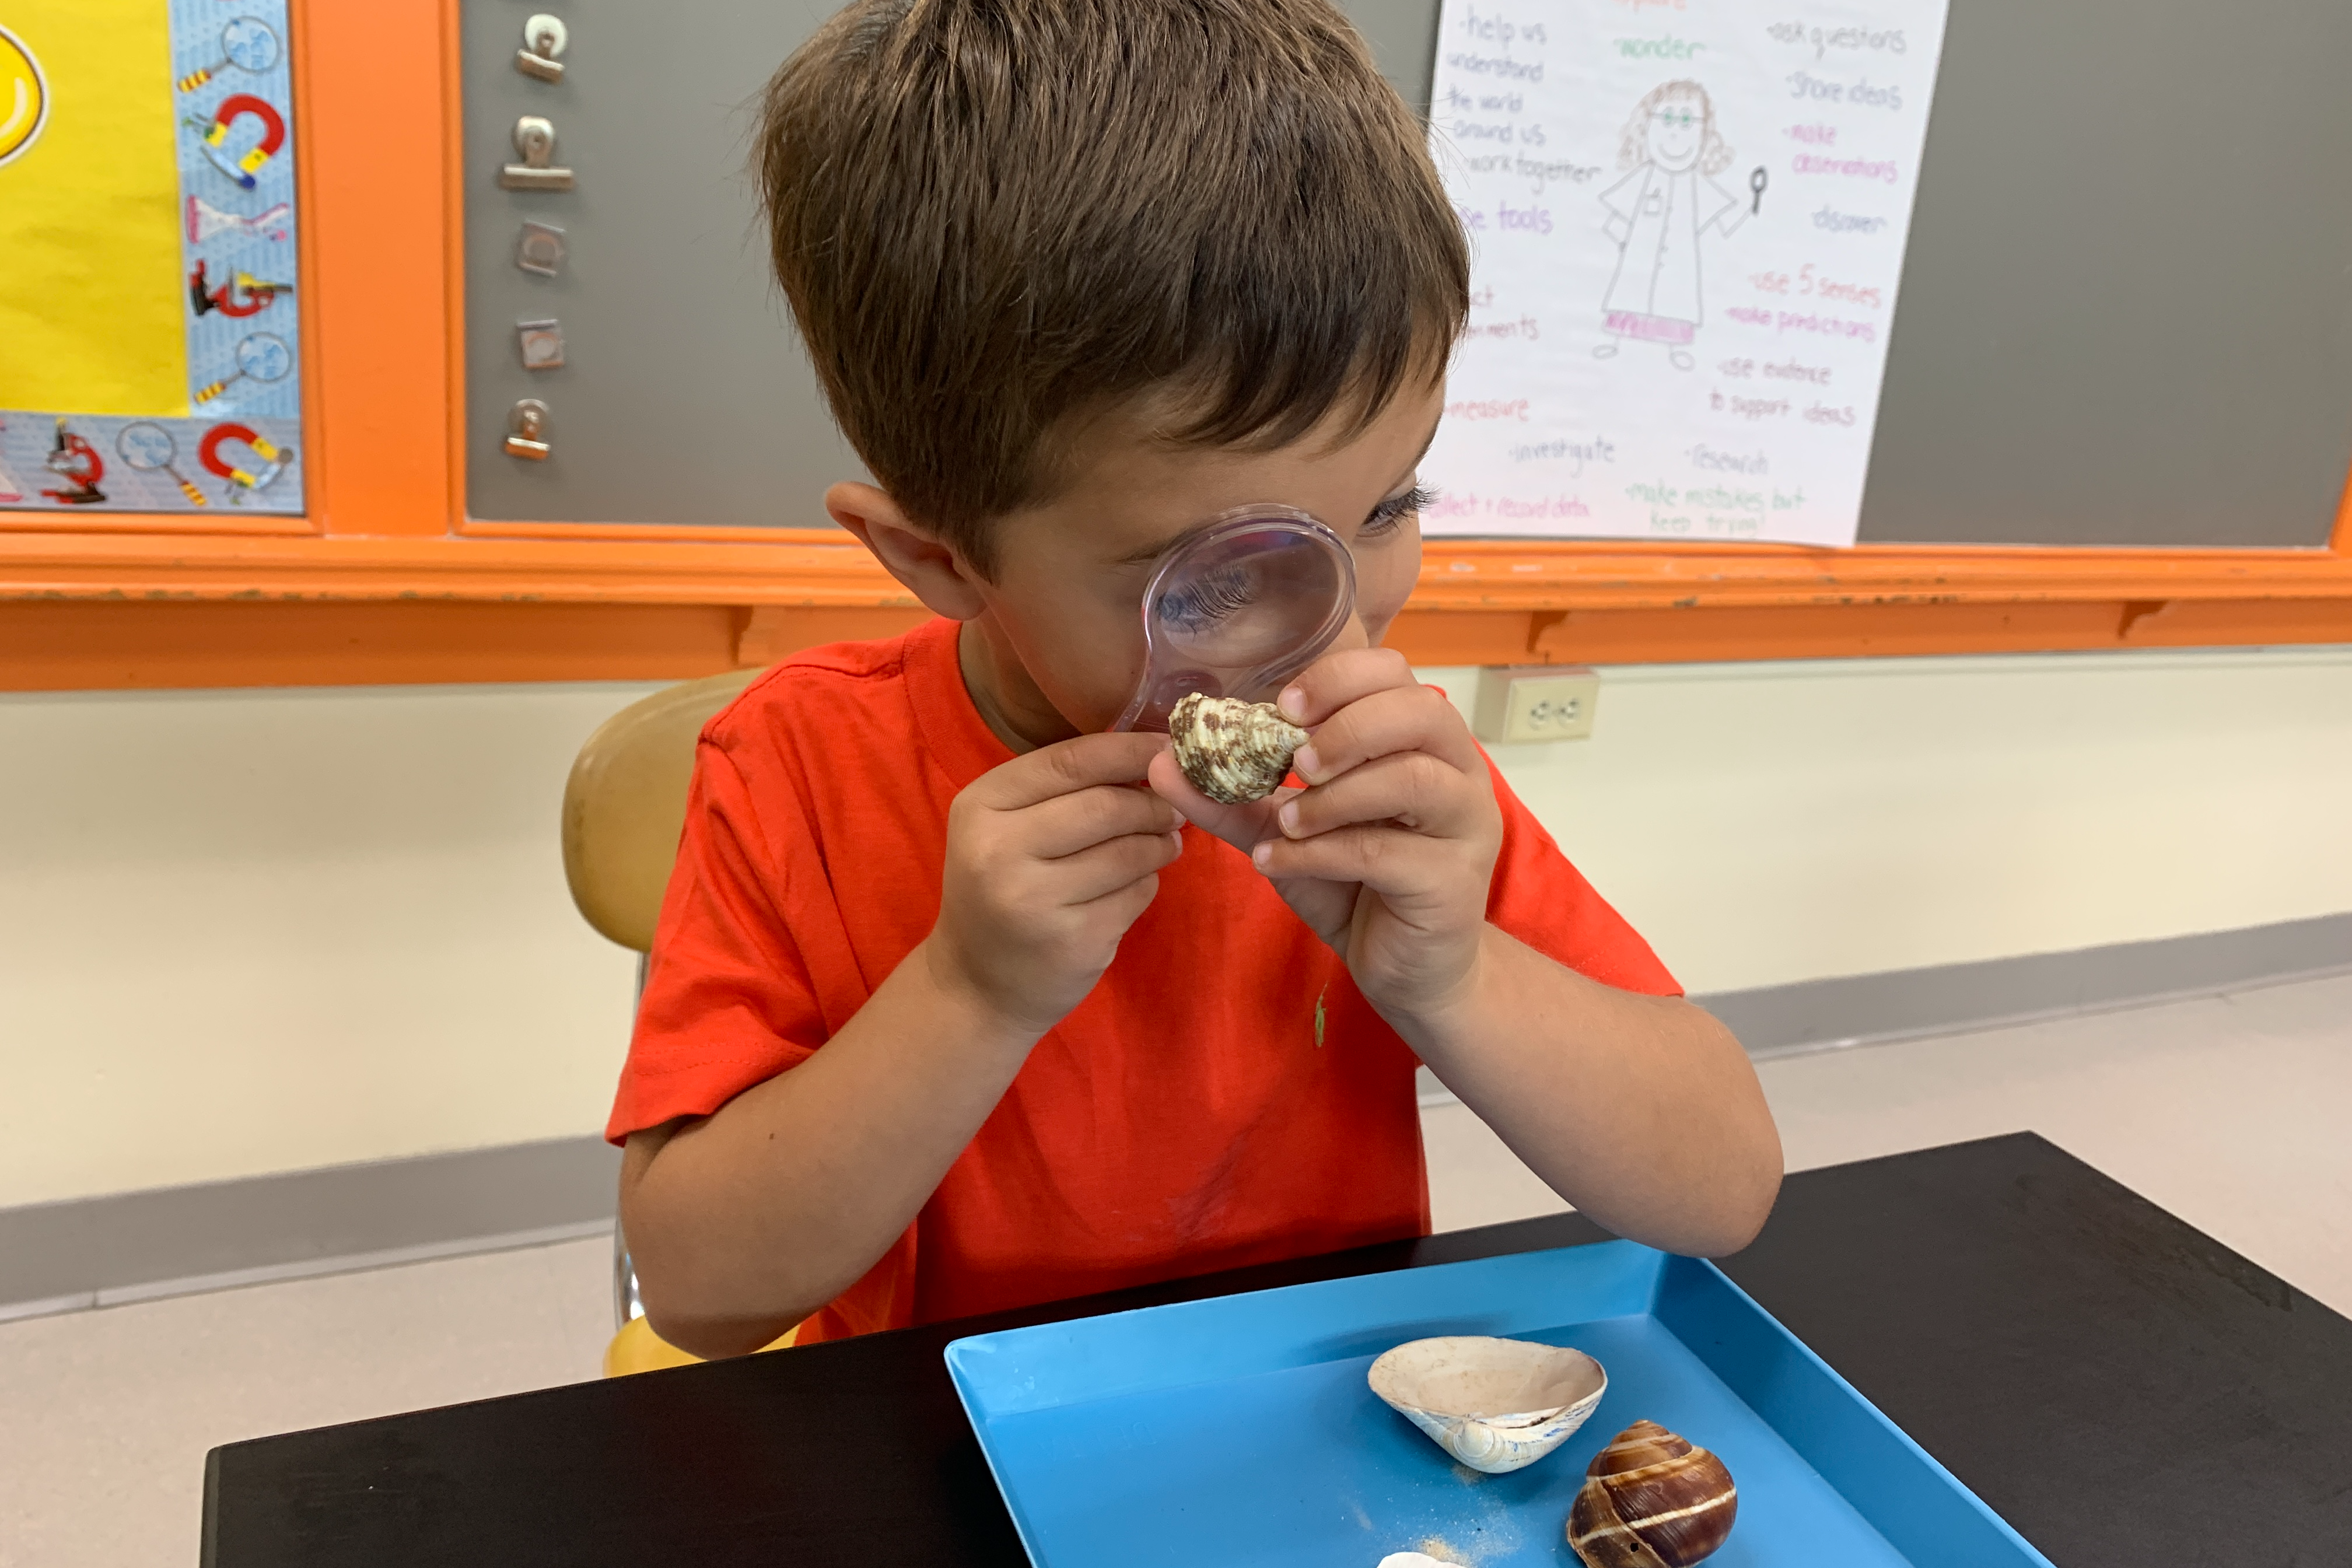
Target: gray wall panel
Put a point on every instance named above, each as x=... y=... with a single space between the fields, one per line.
x=685 y=396
x=1404 y=35
x=2127 y=309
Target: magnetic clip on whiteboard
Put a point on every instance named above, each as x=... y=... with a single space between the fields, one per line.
x=539 y=247
x=527 y=430
x=541 y=343
x=534 y=141
x=543 y=37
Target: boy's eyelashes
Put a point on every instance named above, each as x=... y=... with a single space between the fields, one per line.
x=1382 y=518
x=1396 y=509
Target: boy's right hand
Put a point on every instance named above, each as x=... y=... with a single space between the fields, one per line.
x=1050 y=859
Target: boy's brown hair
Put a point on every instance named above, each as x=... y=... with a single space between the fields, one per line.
x=993 y=218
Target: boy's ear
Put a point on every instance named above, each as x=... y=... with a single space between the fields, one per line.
x=932 y=571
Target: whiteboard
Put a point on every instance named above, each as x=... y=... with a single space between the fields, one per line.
x=2126 y=312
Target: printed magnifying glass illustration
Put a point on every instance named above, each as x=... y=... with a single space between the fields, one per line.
x=247 y=42
x=1756 y=182
x=149 y=448
x=1238 y=608
x=260 y=357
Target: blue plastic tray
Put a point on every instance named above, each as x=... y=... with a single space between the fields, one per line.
x=1240 y=1431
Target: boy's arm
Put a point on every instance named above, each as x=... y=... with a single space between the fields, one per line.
x=745 y=1221
x=1640 y=1110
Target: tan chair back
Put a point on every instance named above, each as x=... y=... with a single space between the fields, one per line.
x=624 y=805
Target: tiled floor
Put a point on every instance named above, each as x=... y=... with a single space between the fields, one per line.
x=2231 y=1112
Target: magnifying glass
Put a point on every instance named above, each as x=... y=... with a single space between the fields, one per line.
x=247 y=42
x=1238 y=608
x=260 y=356
x=149 y=447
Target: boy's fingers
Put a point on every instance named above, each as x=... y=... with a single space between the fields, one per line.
x=1106 y=867
x=1239 y=826
x=1120 y=906
x=1391 y=861
x=1411 y=789
x=1079 y=762
x=1401 y=718
x=1335 y=679
x=1069 y=823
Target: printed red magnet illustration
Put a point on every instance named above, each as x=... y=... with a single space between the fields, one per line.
x=273 y=460
x=242 y=167
x=242 y=295
x=77 y=466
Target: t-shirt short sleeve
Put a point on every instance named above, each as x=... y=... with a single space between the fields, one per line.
x=1538 y=897
x=729 y=1002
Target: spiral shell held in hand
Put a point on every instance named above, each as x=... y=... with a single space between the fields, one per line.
x=1233 y=751
x=1650 y=1499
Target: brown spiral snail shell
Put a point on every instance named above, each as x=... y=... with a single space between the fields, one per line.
x=1650 y=1498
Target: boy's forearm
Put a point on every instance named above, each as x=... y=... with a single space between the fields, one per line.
x=744 y=1222
x=1640 y=1110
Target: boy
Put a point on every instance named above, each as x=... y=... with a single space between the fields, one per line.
x=946 y=1014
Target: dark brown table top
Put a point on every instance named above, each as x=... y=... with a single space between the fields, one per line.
x=2121 y=1387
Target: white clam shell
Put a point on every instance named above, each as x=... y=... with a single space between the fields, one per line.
x=1496 y=1405
x=1233 y=751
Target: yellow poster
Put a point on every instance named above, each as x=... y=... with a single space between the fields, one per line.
x=91 y=299
x=150 y=341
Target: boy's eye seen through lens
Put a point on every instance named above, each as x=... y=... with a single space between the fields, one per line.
x=1202 y=603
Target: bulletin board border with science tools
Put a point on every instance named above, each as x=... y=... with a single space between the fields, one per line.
x=386 y=578
x=150 y=334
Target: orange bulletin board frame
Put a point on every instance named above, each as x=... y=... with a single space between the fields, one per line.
x=385 y=580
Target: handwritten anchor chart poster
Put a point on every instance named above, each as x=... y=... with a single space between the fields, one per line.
x=149 y=337
x=1687 y=220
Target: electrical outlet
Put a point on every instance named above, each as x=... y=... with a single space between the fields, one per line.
x=1540 y=702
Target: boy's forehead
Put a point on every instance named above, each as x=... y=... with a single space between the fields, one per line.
x=1129 y=494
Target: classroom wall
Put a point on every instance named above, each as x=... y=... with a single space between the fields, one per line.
x=246 y=932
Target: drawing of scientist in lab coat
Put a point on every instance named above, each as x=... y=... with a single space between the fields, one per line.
x=1658 y=214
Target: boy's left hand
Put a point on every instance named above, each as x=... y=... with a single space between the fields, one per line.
x=1389 y=852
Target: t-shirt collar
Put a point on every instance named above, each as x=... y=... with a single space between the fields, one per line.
x=955 y=734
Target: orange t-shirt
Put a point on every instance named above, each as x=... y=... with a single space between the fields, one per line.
x=1223 y=1097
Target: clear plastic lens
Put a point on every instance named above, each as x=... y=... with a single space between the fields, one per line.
x=1238 y=608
